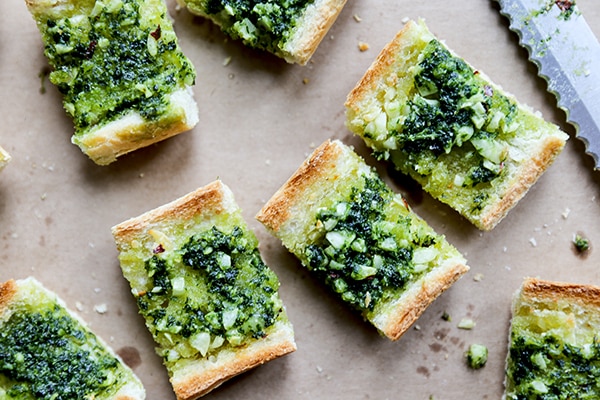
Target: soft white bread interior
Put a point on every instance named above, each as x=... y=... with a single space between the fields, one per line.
x=193 y=372
x=20 y=297
x=553 y=340
x=131 y=132
x=328 y=178
x=494 y=148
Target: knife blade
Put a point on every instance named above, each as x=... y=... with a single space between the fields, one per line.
x=567 y=54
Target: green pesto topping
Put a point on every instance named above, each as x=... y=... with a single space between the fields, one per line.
x=477 y=356
x=214 y=291
x=362 y=254
x=114 y=59
x=47 y=355
x=547 y=368
x=261 y=24
x=453 y=108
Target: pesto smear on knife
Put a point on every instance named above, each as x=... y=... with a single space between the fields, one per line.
x=111 y=57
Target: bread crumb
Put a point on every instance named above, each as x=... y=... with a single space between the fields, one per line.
x=79 y=306
x=362 y=46
x=227 y=61
x=478 y=277
x=405 y=20
x=319 y=369
x=533 y=242
x=566 y=213
x=101 y=308
x=43 y=196
x=305 y=81
x=141 y=175
x=417 y=328
x=357 y=18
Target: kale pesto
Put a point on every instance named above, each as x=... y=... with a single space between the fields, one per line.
x=263 y=24
x=545 y=367
x=214 y=289
x=361 y=254
x=47 y=355
x=452 y=107
x=113 y=59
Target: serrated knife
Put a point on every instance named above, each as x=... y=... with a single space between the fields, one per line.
x=567 y=54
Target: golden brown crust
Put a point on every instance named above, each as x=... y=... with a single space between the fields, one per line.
x=538 y=289
x=529 y=173
x=415 y=302
x=382 y=64
x=277 y=210
x=209 y=197
x=204 y=380
x=131 y=132
x=8 y=290
x=313 y=29
x=104 y=142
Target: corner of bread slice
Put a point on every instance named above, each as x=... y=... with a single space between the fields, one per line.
x=310 y=30
x=291 y=198
x=541 y=155
x=197 y=378
x=556 y=322
x=212 y=199
x=106 y=143
x=396 y=317
x=23 y=295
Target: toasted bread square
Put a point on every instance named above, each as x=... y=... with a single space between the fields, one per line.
x=348 y=228
x=468 y=143
x=125 y=82
x=208 y=299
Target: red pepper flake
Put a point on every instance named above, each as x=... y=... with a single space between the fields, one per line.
x=89 y=52
x=564 y=5
x=158 y=249
x=156 y=33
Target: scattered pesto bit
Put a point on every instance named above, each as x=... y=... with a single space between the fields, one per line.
x=545 y=367
x=581 y=243
x=466 y=323
x=446 y=317
x=264 y=25
x=47 y=355
x=113 y=59
x=361 y=254
x=214 y=291
x=477 y=356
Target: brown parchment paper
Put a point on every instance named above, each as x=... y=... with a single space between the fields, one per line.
x=259 y=119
